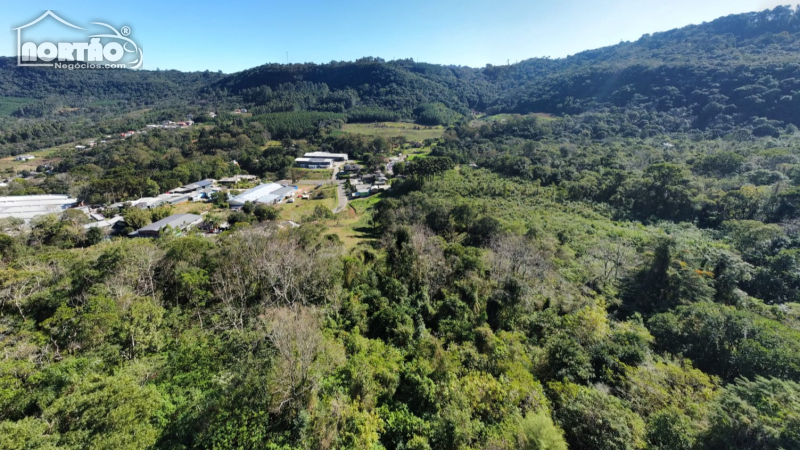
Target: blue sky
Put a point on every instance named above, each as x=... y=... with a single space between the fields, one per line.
x=233 y=35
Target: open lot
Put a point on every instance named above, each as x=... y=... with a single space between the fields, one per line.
x=295 y=211
x=195 y=208
x=311 y=174
x=412 y=153
x=8 y=166
x=353 y=225
x=411 y=131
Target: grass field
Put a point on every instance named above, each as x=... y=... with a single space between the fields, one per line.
x=417 y=152
x=105 y=102
x=411 y=131
x=363 y=204
x=47 y=156
x=11 y=104
x=353 y=225
x=194 y=208
x=483 y=120
x=312 y=174
x=295 y=211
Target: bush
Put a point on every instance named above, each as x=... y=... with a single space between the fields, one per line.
x=238 y=217
x=760 y=414
x=264 y=212
x=94 y=236
x=538 y=432
x=137 y=218
x=594 y=420
x=248 y=207
x=320 y=213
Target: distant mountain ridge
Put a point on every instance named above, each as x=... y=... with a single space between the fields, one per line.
x=734 y=69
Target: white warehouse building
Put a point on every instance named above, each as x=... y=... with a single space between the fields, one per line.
x=270 y=194
x=27 y=207
x=314 y=163
x=338 y=157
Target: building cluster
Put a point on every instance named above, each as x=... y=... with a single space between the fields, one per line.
x=351 y=170
x=269 y=194
x=27 y=207
x=367 y=184
x=363 y=184
x=170 y=125
x=238 y=111
x=236 y=179
x=88 y=145
x=193 y=192
x=24 y=158
x=320 y=160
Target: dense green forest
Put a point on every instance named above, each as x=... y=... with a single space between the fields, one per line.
x=620 y=273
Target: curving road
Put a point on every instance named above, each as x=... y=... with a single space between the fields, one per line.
x=342 y=195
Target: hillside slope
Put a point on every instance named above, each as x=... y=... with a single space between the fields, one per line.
x=728 y=70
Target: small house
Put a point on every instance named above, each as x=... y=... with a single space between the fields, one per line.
x=178 y=222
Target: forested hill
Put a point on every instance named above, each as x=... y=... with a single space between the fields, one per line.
x=397 y=86
x=736 y=70
x=733 y=68
x=726 y=72
x=79 y=87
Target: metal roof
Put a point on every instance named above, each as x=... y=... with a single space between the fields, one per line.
x=29 y=206
x=174 y=221
x=55 y=199
x=325 y=155
x=313 y=160
x=284 y=190
x=104 y=223
x=197 y=185
x=253 y=194
x=269 y=198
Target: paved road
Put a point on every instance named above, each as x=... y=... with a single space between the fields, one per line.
x=342 y=199
x=340 y=193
